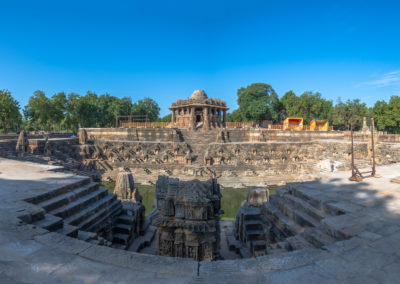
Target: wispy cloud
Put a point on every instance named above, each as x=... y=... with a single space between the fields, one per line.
x=385 y=80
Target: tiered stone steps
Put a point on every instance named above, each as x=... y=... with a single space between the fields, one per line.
x=79 y=210
x=199 y=141
x=296 y=217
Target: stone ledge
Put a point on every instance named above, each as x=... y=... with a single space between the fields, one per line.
x=142 y=262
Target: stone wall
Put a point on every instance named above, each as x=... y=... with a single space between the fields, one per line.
x=131 y=134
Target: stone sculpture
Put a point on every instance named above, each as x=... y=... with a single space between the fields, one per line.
x=125 y=188
x=188 y=220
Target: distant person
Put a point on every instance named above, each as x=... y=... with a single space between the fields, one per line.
x=332 y=166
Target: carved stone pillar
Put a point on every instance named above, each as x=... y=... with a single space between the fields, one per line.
x=182 y=119
x=173 y=118
x=192 y=120
x=219 y=118
x=224 y=119
x=206 y=119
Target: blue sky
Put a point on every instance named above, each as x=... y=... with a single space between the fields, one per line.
x=167 y=49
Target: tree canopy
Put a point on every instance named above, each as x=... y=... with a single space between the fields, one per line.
x=10 y=117
x=256 y=102
x=67 y=112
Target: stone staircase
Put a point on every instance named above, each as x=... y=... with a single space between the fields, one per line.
x=199 y=141
x=296 y=220
x=80 y=210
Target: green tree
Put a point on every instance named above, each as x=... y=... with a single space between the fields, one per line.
x=308 y=106
x=58 y=107
x=38 y=111
x=346 y=112
x=256 y=102
x=387 y=115
x=146 y=106
x=234 y=116
x=10 y=117
x=166 y=118
x=290 y=103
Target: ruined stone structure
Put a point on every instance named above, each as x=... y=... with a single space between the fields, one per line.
x=188 y=222
x=199 y=111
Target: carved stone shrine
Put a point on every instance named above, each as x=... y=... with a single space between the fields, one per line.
x=188 y=220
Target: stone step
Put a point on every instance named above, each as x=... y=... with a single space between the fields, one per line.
x=86 y=236
x=253 y=235
x=309 y=195
x=253 y=225
x=122 y=228
x=55 y=192
x=80 y=204
x=68 y=230
x=50 y=222
x=67 y=197
x=300 y=203
x=296 y=214
x=317 y=237
x=233 y=244
x=143 y=241
x=121 y=239
x=285 y=225
x=258 y=245
x=298 y=242
x=101 y=217
x=126 y=219
x=88 y=211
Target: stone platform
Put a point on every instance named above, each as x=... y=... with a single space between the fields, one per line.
x=29 y=254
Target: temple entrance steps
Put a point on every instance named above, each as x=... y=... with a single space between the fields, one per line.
x=81 y=210
x=199 y=137
x=199 y=141
x=297 y=219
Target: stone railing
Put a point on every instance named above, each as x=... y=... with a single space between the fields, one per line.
x=145 y=124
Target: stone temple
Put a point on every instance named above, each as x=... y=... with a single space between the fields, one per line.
x=199 y=111
x=188 y=221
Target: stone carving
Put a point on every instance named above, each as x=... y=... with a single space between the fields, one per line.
x=125 y=188
x=188 y=221
x=22 y=143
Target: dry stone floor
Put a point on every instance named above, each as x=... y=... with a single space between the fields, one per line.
x=29 y=254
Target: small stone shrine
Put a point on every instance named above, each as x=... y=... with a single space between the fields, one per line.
x=125 y=188
x=249 y=228
x=199 y=111
x=188 y=221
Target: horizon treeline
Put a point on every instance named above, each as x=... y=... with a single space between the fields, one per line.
x=257 y=102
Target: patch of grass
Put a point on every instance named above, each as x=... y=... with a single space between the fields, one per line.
x=146 y=191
